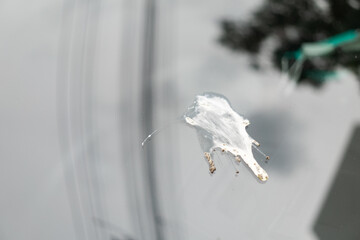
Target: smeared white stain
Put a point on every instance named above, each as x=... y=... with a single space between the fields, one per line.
x=219 y=127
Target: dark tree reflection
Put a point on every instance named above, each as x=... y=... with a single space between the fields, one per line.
x=292 y=23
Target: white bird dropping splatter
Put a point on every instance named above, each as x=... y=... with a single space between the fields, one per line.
x=220 y=127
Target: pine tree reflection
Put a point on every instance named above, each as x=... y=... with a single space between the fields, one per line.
x=292 y=23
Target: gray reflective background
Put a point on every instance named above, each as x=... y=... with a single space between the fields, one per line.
x=84 y=82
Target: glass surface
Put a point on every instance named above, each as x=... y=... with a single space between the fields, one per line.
x=85 y=82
